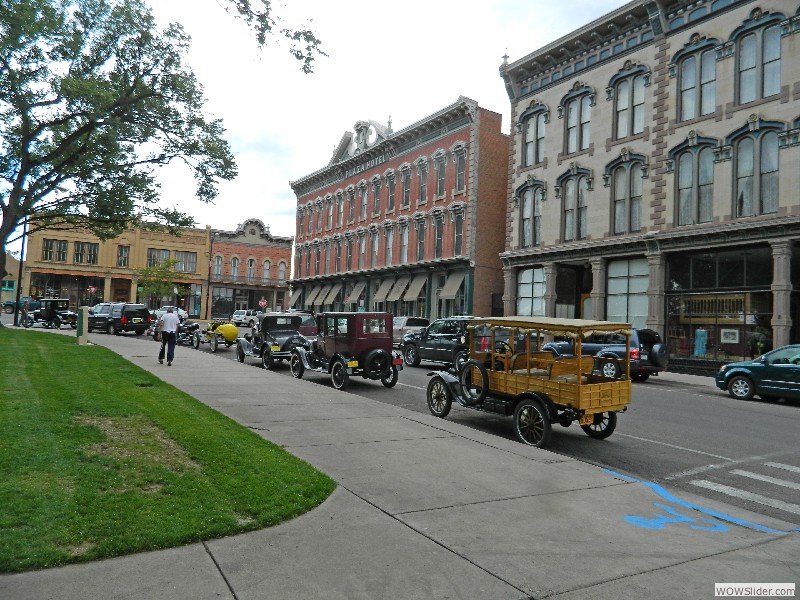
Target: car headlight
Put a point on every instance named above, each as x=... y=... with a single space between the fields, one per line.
x=722 y=368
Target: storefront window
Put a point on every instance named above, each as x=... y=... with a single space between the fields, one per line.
x=627 y=291
x=530 y=292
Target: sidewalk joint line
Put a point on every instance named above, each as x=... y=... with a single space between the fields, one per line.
x=221 y=572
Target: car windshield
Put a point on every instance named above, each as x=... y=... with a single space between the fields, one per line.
x=272 y=323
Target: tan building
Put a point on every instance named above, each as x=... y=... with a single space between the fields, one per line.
x=410 y=221
x=78 y=266
x=8 y=285
x=654 y=176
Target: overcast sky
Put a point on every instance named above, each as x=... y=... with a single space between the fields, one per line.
x=400 y=60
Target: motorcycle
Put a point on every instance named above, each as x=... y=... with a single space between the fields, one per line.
x=186 y=331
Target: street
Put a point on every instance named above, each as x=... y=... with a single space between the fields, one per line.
x=681 y=435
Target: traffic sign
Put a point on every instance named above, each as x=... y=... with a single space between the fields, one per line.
x=262 y=303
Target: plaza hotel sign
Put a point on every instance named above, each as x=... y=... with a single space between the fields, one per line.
x=365 y=166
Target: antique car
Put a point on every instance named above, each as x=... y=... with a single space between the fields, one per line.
x=274 y=338
x=509 y=373
x=53 y=313
x=217 y=332
x=350 y=344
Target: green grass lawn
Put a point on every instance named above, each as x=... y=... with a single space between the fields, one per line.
x=100 y=458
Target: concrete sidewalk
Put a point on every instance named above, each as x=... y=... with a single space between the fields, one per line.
x=425 y=509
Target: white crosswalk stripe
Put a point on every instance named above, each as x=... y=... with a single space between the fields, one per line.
x=791 y=468
x=744 y=495
x=767 y=479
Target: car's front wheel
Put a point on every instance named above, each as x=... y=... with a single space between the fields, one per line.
x=610 y=368
x=8 y=309
x=741 y=388
x=267 y=361
x=459 y=359
x=112 y=329
x=411 y=356
x=474 y=381
x=296 y=366
x=531 y=423
x=339 y=375
x=391 y=379
x=196 y=341
x=603 y=426
x=439 y=399
x=214 y=342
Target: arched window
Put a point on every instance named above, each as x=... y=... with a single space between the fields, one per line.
x=266 y=271
x=695 y=185
x=234 y=268
x=758 y=57
x=217 y=267
x=578 y=123
x=627 y=198
x=530 y=215
x=251 y=269
x=533 y=123
x=697 y=82
x=756 y=167
x=575 y=222
x=282 y=271
x=629 y=105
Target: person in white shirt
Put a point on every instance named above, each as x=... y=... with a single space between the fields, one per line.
x=168 y=324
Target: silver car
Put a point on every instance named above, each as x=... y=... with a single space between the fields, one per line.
x=403 y=325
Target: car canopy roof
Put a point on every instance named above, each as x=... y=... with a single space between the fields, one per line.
x=554 y=325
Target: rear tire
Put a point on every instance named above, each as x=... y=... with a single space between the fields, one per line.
x=214 y=342
x=196 y=341
x=532 y=424
x=390 y=380
x=267 y=361
x=603 y=426
x=339 y=375
x=641 y=377
x=439 y=399
x=474 y=391
x=610 y=368
x=296 y=366
x=411 y=355
x=112 y=329
x=658 y=355
x=239 y=353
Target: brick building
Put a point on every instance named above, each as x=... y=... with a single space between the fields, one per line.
x=410 y=222
x=653 y=176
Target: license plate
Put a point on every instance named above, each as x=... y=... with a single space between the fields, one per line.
x=137 y=320
x=352 y=364
x=586 y=420
x=276 y=348
x=645 y=356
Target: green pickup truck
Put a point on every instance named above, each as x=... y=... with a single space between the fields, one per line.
x=8 y=305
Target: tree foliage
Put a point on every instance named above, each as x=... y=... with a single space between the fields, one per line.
x=93 y=98
x=158 y=281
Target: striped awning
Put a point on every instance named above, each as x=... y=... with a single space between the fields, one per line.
x=358 y=289
x=451 y=286
x=384 y=288
x=323 y=293
x=312 y=295
x=398 y=289
x=333 y=293
x=415 y=287
x=294 y=297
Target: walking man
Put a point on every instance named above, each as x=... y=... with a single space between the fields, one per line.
x=168 y=325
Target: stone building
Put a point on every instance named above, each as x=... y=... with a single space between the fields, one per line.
x=410 y=222
x=653 y=176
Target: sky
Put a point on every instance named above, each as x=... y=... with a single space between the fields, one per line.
x=402 y=61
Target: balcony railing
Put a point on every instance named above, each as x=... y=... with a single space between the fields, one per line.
x=247 y=280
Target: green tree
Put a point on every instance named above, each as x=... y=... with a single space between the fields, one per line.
x=93 y=98
x=158 y=281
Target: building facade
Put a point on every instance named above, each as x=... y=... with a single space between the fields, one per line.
x=409 y=222
x=653 y=176
x=8 y=284
x=77 y=265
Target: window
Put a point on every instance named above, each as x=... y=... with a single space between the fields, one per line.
x=627 y=197
x=299 y=258
x=756 y=174
x=458 y=240
x=530 y=215
x=319 y=215
x=530 y=292
x=266 y=271
x=123 y=254
x=329 y=201
x=217 y=267
x=389 y=246
x=575 y=217
x=420 y=240
x=390 y=182
x=422 y=172
x=438 y=224
x=156 y=257
x=308 y=261
x=349 y=264
x=533 y=129
x=695 y=185
x=310 y=218
x=317 y=250
x=300 y=215
x=375 y=249
x=282 y=271
x=362 y=250
x=759 y=64
x=626 y=300
x=698 y=85
x=327 y=258
x=91 y=253
x=629 y=109
x=186 y=262
x=47 y=249
x=461 y=169
x=85 y=252
x=376 y=197
x=406 y=188
x=404 y=243
x=577 y=110
x=439 y=165
x=339 y=208
x=363 y=193
x=80 y=253
x=351 y=209
x=234 y=268
x=338 y=255
x=61 y=251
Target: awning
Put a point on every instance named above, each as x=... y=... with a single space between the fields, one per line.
x=313 y=294
x=451 y=286
x=323 y=293
x=356 y=293
x=398 y=289
x=333 y=293
x=294 y=297
x=414 y=287
x=384 y=288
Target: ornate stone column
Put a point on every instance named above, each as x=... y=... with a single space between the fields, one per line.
x=655 y=293
x=598 y=294
x=781 y=292
x=509 y=289
x=550 y=274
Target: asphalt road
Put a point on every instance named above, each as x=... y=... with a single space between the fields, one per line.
x=692 y=438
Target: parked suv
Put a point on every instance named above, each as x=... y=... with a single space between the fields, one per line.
x=245 y=318
x=350 y=344
x=128 y=317
x=404 y=325
x=443 y=341
x=648 y=353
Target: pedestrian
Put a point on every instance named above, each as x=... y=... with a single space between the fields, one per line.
x=168 y=325
x=24 y=313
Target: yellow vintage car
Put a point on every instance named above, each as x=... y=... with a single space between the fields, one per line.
x=508 y=373
x=217 y=332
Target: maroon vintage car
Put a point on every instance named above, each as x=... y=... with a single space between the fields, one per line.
x=351 y=344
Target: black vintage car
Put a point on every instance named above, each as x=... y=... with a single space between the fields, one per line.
x=272 y=338
x=53 y=313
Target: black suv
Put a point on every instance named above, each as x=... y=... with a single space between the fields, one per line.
x=123 y=317
x=648 y=353
x=443 y=341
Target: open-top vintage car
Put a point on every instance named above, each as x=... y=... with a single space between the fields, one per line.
x=273 y=338
x=509 y=373
x=350 y=344
x=53 y=313
x=218 y=332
